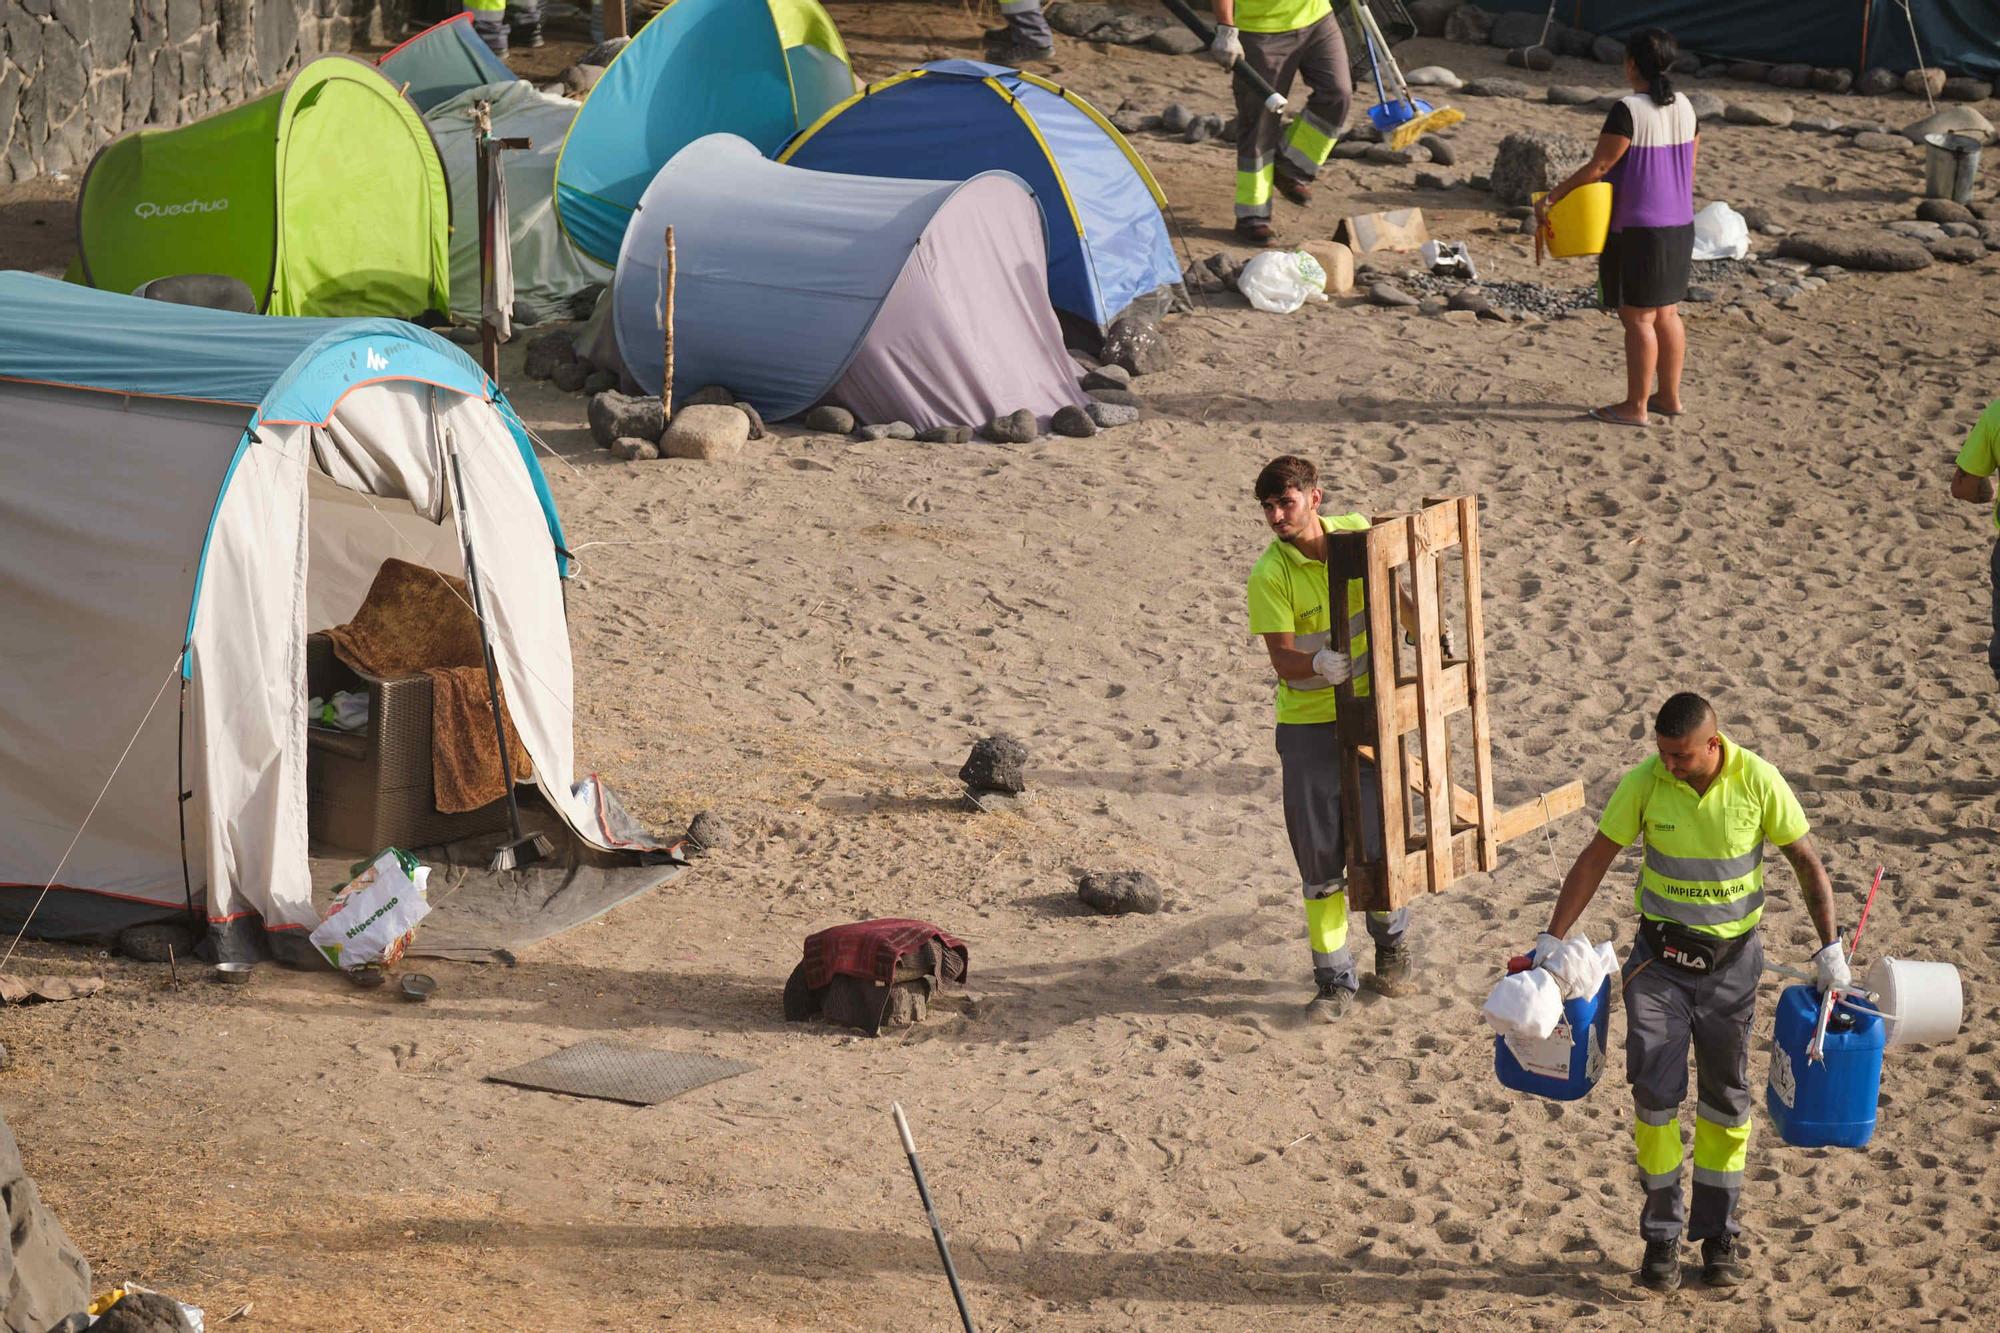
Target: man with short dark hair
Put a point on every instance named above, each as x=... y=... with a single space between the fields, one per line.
x=1972 y=480
x=1289 y=606
x=1705 y=807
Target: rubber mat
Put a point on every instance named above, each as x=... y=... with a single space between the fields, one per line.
x=620 y=1073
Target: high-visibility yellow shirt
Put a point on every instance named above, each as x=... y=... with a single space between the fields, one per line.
x=1289 y=595
x=1280 y=15
x=1981 y=454
x=1705 y=851
x=486 y=6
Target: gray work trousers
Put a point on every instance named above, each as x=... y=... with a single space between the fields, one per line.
x=1668 y=1010
x=1309 y=758
x=1026 y=23
x=1319 y=55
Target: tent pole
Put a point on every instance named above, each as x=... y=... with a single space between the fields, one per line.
x=1861 y=65
x=489 y=337
x=519 y=850
x=667 y=332
x=181 y=796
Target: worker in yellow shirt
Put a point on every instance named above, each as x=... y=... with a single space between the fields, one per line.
x=1281 y=39
x=1705 y=807
x=1972 y=480
x=1290 y=608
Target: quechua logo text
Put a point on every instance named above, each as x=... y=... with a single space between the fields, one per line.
x=146 y=208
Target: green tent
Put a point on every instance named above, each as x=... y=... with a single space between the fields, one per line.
x=325 y=196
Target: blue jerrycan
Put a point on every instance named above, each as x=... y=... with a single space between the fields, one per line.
x=1568 y=1063
x=1832 y=1104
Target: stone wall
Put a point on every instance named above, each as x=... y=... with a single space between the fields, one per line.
x=75 y=74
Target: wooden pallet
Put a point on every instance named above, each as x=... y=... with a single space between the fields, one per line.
x=1461 y=830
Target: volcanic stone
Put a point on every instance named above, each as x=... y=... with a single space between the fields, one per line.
x=1497 y=87
x=1832 y=80
x=1965 y=90
x=1877 y=82
x=1918 y=82
x=1607 y=51
x=1864 y=251
x=1440 y=151
x=158 y=942
x=1388 y=294
x=1870 y=142
x=996 y=764
x=1176 y=118
x=1569 y=94
x=547 y=352
x=1770 y=114
x=47 y=1279
x=1537 y=58
x=634 y=451
x=1073 y=421
x=756 y=421
x=1707 y=106
x=1529 y=160
x=709 y=431
x=887 y=430
x=829 y=419
x=1118 y=892
x=1943 y=210
x=1107 y=377
x=616 y=416
x=1174 y=40
x=945 y=435
x=709 y=393
x=1789 y=76
x=571 y=376
x=1135 y=342
x=1469 y=24
x=712 y=831
x=1959 y=250
x=1108 y=415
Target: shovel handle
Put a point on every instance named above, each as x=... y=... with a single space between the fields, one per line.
x=1274 y=101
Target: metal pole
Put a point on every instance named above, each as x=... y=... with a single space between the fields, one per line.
x=930 y=1211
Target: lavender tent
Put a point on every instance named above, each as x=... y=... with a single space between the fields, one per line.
x=917 y=301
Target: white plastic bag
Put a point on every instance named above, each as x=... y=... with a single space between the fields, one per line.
x=1448 y=259
x=1525 y=1004
x=1280 y=281
x=1578 y=967
x=1720 y=233
x=374 y=918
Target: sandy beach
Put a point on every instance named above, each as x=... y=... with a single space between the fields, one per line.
x=1126 y=1122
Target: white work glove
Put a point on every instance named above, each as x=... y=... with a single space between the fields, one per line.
x=1830 y=966
x=1545 y=948
x=1227 y=48
x=1331 y=667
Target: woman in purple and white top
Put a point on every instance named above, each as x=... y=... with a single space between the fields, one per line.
x=1646 y=151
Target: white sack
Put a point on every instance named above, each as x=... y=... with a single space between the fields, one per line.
x=1280 y=281
x=1525 y=1005
x=1720 y=233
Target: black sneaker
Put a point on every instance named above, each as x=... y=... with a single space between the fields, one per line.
x=1721 y=1262
x=1329 y=1003
x=1661 y=1268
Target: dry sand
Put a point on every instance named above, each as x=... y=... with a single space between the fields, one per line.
x=1129 y=1127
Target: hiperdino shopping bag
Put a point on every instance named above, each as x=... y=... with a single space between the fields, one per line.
x=374 y=916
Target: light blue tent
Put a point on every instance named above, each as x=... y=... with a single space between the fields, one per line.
x=953 y=119
x=443 y=61
x=758 y=69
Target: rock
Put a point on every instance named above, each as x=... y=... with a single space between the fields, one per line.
x=1538 y=58
x=1470 y=298
x=1832 y=80
x=1108 y=415
x=1877 y=83
x=1989 y=232
x=1748 y=71
x=1362 y=130
x=1073 y=421
x=1383 y=155
x=1984 y=212
x=709 y=394
x=1854 y=127
x=144 y=1312
x=1387 y=293
x=1336 y=260
x=1526 y=227
x=1433 y=305
x=1469 y=24
x=1135 y=342
x=1916 y=231
x=1789 y=76
x=1125 y=396
x=1756 y=215
x=605 y=52
x=1433 y=76
x=709 y=431
x=945 y=435
x=1118 y=892
x=47 y=1280
x=635 y=451
x=1870 y=142
x=996 y=764
x=1951 y=120
x=1015 y=428
x=1497 y=87
x=1700 y=295
x=1129 y=123
x=1441 y=152
x=1783 y=291
x=1108 y=377
x=1431 y=16
x=1961 y=230
x=1922 y=82
x=597 y=381
x=1958 y=250
x=1943 y=210
x=1229 y=131
x=1176 y=118
x=1965 y=90
x=1432 y=180
x=1352 y=150
x=1080 y=20
x=1605 y=101
x=756 y=421
x=1515 y=30
x=1129 y=28
x=1772 y=114
x=1816 y=124
x=547 y=352
x=712 y=831
x=1569 y=94
x=1707 y=106
x=1607 y=51
x=1174 y=40
x=1530 y=160
x=1863 y=251
x=581 y=78
x=829 y=420
x=617 y=416
x=571 y=376
x=157 y=942
x=1830 y=272
x=1201 y=129
x=888 y=430
x=1479 y=182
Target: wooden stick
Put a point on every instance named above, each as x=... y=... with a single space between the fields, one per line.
x=614 y=18
x=1474 y=649
x=667 y=333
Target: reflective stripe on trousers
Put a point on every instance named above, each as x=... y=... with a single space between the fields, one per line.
x=1319 y=55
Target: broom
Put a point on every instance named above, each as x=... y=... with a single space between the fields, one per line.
x=1402 y=119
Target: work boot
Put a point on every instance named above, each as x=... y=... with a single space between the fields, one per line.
x=1298 y=191
x=1661 y=1268
x=1393 y=969
x=995 y=36
x=1253 y=231
x=527 y=38
x=1721 y=1262
x=1329 y=1004
x=1017 y=53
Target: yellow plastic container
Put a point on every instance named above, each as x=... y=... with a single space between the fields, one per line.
x=1579 y=224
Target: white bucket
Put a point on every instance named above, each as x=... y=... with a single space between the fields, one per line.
x=1924 y=999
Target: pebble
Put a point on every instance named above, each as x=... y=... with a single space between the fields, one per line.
x=830 y=419
x=1118 y=892
x=1176 y=118
x=945 y=435
x=1440 y=151
x=1433 y=180
x=1943 y=210
x=1961 y=229
x=634 y=450
x=1385 y=293
x=1073 y=421
x=1869 y=141
x=711 y=831
x=1016 y=427
x=890 y=430
x=1108 y=415
x=1433 y=305
x=1497 y=87
x=1816 y=124
x=1112 y=376
x=751 y=415
x=1389 y=157
x=1700 y=295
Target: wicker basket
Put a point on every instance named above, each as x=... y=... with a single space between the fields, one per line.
x=366 y=790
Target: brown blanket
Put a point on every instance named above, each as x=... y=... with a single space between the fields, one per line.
x=416 y=620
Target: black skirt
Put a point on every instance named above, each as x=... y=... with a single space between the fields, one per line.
x=1645 y=266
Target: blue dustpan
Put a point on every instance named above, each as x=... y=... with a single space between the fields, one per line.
x=1388 y=115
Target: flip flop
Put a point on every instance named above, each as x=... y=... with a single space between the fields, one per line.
x=1653 y=405
x=1604 y=415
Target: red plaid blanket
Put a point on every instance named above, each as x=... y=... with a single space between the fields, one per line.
x=870 y=949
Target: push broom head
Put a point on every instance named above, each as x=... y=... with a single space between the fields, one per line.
x=1429 y=123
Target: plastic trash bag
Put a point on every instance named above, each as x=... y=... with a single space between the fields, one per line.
x=1448 y=259
x=1720 y=233
x=1578 y=967
x=1281 y=281
x=1525 y=1005
x=374 y=916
